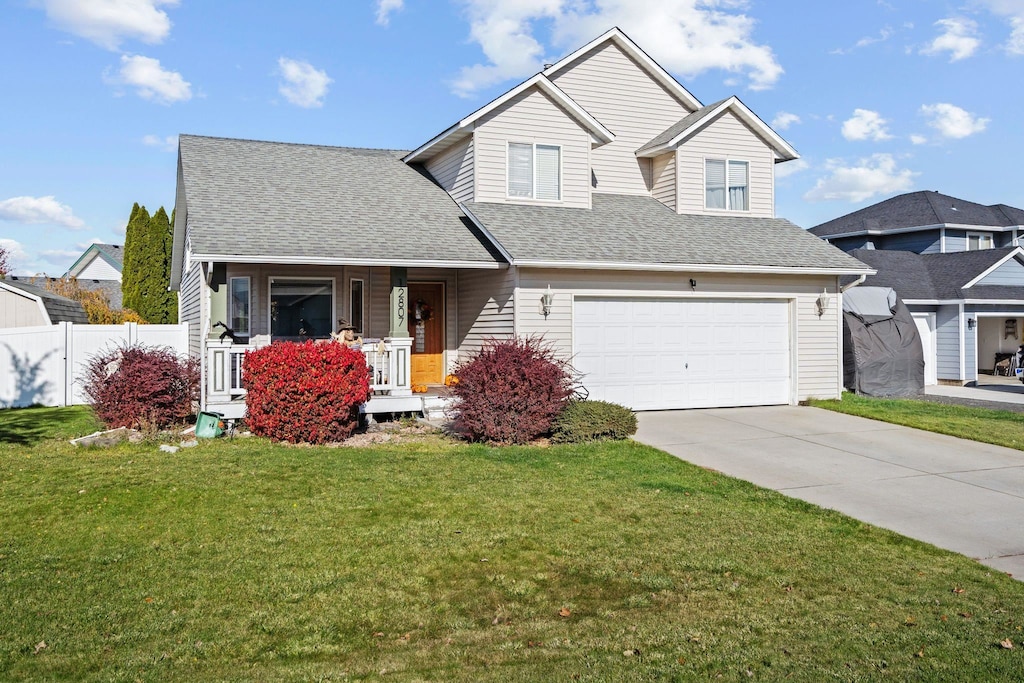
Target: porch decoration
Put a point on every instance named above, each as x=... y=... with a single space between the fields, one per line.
x=422 y=311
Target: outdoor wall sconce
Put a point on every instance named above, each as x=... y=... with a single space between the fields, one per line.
x=546 y=299
x=693 y=284
x=971 y=322
x=821 y=305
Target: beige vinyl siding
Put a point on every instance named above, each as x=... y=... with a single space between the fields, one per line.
x=17 y=310
x=620 y=94
x=485 y=307
x=378 y=302
x=817 y=341
x=453 y=170
x=725 y=138
x=531 y=118
x=664 y=172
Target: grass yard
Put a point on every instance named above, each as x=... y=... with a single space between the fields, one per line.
x=999 y=427
x=434 y=561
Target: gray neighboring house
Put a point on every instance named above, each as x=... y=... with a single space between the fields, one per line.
x=25 y=304
x=598 y=204
x=99 y=269
x=956 y=265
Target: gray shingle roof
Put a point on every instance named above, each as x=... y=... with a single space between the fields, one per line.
x=111 y=289
x=114 y=251
x=920 y=209
x=247 y=198
x=679 y=126
x=636 y=230
x=936 y=276
x=59 y=308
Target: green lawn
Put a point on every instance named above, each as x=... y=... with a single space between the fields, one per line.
x=999 y=427
x=436 y=561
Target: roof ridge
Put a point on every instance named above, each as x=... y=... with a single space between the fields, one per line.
x=291 y=144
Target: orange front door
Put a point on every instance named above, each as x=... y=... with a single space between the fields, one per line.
x=426 y=327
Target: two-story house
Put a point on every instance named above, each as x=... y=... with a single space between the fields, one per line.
x=958 y=267
x=598 y=204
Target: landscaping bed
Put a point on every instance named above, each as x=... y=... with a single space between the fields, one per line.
x=435 y=560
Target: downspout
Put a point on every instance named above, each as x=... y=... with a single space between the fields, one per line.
x=859 y=281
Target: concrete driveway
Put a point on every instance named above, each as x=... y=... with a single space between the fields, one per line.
x=960 y=495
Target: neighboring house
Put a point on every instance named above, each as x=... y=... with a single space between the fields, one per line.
x=598 y=204
x=956 y=266
x=99 y=269
x=968 y=306
x=925 y=222
x=24 y=304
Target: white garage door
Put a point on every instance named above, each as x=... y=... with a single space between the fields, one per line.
x=658 y=354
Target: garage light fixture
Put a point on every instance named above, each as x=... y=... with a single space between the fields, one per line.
x=546 y=299
x=971 y=322
x=822 y=303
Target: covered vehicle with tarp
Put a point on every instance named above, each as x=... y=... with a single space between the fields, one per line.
x=882 y=353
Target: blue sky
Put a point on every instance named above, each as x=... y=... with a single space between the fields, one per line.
x=879 y=96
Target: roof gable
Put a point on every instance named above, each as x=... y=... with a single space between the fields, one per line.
x=464 y=127
x=626 y=44
x=693 y=123
x=112 y=254
x=932 y=277
x=57 y=308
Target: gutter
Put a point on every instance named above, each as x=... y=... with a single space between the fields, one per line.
x=860 y=280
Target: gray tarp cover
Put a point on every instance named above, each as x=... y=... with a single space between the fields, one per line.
x=882 y=353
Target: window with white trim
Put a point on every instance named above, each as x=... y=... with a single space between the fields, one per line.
x=239 y=304
x=727 y=184
x=534 y=171
x=355 y=308
x=977 y=241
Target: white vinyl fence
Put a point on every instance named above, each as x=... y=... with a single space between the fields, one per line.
x=45 y=365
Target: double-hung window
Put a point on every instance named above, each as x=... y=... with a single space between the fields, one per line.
x=534 y=171
x=238 y=303
x=727 y=184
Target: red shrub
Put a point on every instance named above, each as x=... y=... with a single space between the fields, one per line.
x=309 y=392
x=140 y=386
x=510 y=391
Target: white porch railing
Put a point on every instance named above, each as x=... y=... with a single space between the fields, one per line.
x=387 y=359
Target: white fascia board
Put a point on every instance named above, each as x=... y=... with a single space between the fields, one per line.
x=616 y=35
x=325 y=261
x=30 y=296
x=783 y=150
x=547 y=87
x=691 y=267
x=180 y=228
x=995 y=302
x=487 y=233
x=1013 y=254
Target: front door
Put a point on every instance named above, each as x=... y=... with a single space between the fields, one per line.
x=426 y=327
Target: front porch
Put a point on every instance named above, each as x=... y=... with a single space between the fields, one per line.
x=388 y=361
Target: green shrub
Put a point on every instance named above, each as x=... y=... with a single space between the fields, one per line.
x=582 y=421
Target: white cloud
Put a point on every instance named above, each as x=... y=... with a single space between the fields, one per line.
x=876 y=175
x=32 y=210
x=303 y=85
x=918 y=139
x=865 y=125
x=959 y=39
x=1015 y=44
x=1014 y=11
x=15 y=252
x=788 y=168
x=153 y=82
x=687 y=37
x=784 y=120
x=108 y=22
x=167 y=144
x=952 y=121
x=385 y=8
x=883 y=35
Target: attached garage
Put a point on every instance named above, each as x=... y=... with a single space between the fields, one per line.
x=674 y=353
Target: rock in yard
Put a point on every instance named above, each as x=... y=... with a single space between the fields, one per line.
x=192 y=443
x=168 y=449
x=108 y=438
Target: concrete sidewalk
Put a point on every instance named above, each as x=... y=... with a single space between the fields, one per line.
x=988 y=388
x=960 y=495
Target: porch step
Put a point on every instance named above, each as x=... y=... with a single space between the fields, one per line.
x=436 y=407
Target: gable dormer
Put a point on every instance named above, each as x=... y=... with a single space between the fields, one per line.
x=718 y=160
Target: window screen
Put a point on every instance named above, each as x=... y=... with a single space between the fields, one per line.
x=520 y=170
x=714 y=184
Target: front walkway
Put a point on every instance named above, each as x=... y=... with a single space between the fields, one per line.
x=964 y=496
x=990 y=388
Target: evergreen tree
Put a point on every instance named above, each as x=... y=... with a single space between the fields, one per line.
x=164 y=303
x=135 y=246
x=147 y=266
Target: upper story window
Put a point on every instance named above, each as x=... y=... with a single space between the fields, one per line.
x=726 y=185
x=534 y=171
x=978 y=240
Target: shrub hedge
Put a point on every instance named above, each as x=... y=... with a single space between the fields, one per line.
x=141 y=386
x=306 y=392
x=582 y=421
x=510 y=391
